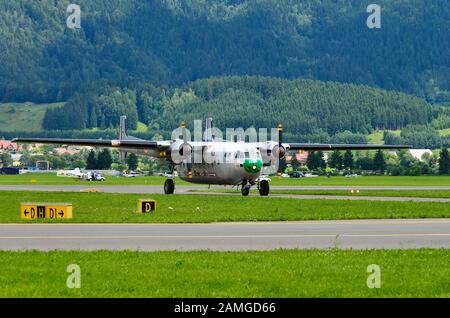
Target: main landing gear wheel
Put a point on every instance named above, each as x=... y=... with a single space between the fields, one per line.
x=169 y=186
x=263 y=188
x=245 y=190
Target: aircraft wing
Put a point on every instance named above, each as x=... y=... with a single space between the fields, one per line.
x=137 y=144
x=331 y=147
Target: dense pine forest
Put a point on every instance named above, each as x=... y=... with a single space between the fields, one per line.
x=303 y=106
x=172 y=42
x=311 y=111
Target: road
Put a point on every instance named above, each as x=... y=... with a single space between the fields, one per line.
x=355 y=234
x=184 y=189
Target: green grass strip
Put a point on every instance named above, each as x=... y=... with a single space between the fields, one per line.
x=279 y=273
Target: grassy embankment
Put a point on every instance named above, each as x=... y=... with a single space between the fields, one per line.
x=108 y=207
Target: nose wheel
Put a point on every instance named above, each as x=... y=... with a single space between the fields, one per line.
x=245 y=190
x=169 y=186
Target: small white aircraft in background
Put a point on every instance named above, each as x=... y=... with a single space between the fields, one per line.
x=75 y=173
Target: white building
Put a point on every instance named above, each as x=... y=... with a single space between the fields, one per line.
x=418 y=153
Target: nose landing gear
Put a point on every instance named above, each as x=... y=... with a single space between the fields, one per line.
x=245 y=190
x=263 y=187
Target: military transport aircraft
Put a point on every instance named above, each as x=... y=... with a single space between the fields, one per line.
x=241 y=163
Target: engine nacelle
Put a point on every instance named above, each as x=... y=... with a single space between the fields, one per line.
x=180 y=150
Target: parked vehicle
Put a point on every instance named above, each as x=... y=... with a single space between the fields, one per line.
x=9 y=170
x=132 y=174
x=94 y=176
x=297 y=174
x=311 y=175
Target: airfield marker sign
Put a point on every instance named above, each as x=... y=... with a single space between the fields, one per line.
x=33 y=210
x=146 y=205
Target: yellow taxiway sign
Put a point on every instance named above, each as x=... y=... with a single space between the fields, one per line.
x=42 y=210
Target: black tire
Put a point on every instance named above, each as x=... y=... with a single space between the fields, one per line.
x=169 y=186
x=264 y=188
x=245 y=190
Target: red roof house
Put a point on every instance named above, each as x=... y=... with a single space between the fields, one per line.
x=8 y=145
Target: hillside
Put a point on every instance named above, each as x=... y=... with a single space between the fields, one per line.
x=305 y=107
x=23 y=117
x=311 y=111
x=172 y=42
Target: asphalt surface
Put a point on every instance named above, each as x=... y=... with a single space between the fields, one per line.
x=185 y=189
x=355 y=234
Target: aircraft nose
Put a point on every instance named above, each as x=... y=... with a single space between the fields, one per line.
x=252 y=165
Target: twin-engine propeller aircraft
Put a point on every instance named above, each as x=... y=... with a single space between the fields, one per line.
x=211 y=160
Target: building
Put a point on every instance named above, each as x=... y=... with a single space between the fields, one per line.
x=418 y=153
x=301 y=156
x=7 y=145
x=66 y=150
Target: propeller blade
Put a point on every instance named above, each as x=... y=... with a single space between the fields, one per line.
x=280 y=141
x=185 y=147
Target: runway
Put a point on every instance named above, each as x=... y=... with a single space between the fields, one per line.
x=185 y=189
x=354 y=234
x=146 y=189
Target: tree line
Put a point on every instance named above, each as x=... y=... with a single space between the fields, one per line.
x=402 y=163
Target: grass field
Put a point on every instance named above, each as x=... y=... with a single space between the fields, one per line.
x=361 y=193
x=280 y=273
x=377 y=136
x=23 y=117
x=52 y=179
x=375 y=193
x=366 y=181
x=117 y=208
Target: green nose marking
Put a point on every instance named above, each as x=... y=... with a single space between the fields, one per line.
x=252 y=165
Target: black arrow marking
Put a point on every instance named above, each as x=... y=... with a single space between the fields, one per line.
x=26 y=212
x=61 y=214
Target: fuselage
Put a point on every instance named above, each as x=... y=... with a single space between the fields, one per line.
x=217 y=162
x=222 y=163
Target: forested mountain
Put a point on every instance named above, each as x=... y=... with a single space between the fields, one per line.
x=311 y=109
x=172 y=42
